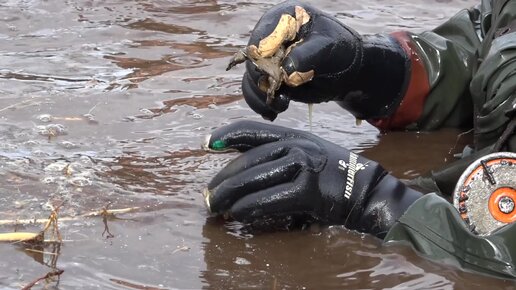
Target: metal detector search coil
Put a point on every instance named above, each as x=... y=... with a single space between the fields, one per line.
x=485 y=195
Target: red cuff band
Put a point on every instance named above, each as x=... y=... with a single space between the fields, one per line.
x=411 y=107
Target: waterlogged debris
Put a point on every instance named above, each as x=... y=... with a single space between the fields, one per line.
x=196 y=116
x=52 y=130
x=49 y=180
x=268 y=56
x=51 y=224
x=50 y=276
x=31 y=143
x=22 y=237
x=242 y=261
x=147 y=112
x=90 y=118
x=68 y=145
x=74 y=168
x=40 y=153
x=105 y=216
x=45 y=118
x=134 y=286
x=181 y=249
x=57 y=166
x=86 y=160
x=111 y=212
x=74 y=173
x=19 y=204
x=69 y=118
x=97 y=213
x=80 y=181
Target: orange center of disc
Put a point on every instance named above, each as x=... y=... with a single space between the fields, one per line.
x=504 y=195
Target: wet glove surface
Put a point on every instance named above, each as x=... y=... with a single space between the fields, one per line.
x=326 y=46
x=366 y=75
x=292 y=176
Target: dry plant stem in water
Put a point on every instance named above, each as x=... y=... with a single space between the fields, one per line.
x=49 y=276
x=96 y=213
x=22 y=237
x=105 y=216
x=271 y=52
x=35 y=238
x=52 y=224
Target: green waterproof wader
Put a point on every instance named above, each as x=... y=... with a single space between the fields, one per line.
x=471 y=65
x=435 y=229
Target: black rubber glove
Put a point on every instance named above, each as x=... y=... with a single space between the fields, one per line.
x=295 y=177
x=367 y=75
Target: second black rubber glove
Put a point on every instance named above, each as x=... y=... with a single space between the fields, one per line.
x=286 y=174
x=366 y=75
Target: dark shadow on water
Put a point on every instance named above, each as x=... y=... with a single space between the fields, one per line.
x=410 y=154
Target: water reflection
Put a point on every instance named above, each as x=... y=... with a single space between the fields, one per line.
x=428 y=151
x=24 y=77
x=192 y=55
x=327 y=258
x=302 y=260
x=144 y=69
x=185 y=7
x=202 y=102
x=152 y=25
x=164 y=175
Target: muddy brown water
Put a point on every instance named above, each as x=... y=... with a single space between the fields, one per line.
x=106 y=102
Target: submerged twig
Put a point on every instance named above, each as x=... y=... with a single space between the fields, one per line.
x=33 y=221
x=105 y=216
x=48 y=276
x=97 y=213
x=133 y=285
x=42 y=252
x=111 y=211
x=39 y=237
x=52 y=224
x=22 y=237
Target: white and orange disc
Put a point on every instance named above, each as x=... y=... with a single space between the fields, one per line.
x=485 y=195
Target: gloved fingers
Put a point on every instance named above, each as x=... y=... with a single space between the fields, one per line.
x=257 y=99
x=327 y=50
x=301 y=60
x=327 y=46
x=244 y=135
x=254 y=96
x=255 y=179
x=280 y=200
x=253 y=157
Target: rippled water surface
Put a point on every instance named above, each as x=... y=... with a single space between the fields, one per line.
x=105 y=103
